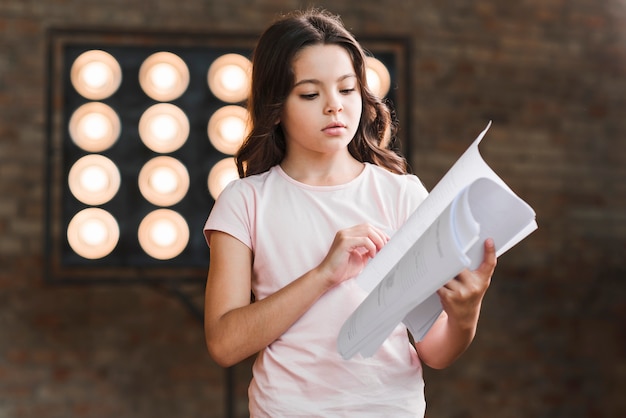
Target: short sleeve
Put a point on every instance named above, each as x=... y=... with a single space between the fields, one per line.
x=233 y=213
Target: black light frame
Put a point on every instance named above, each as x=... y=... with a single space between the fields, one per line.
x=127 y=263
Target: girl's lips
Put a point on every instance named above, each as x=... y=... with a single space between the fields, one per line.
x=335 y=128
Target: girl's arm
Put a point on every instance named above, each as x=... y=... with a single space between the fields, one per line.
x=236 y=329
x=461 y=299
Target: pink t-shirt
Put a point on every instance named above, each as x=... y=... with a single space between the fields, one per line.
x=289 y=226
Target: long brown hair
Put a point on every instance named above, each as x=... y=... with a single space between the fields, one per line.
x=273 y=80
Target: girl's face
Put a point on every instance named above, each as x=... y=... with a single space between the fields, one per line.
x=323 y=110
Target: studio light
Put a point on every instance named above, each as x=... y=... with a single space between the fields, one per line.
x=93 y=233
x=378 y=78
x=142 y=129
x=222 y=173
x=229 y=77
x=94 y=127
x=96 y=75
x=163 y=181
x=164 y=76
x=228 y=128
x=163 y=234
x=164 y=128
x=94 y=179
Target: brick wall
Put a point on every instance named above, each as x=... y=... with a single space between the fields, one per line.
x=551 y=75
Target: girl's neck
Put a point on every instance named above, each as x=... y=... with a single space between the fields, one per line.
x=323 y=172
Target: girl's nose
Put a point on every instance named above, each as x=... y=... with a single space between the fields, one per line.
x=333 y=106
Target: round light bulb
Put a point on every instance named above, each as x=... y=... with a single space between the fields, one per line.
x=94 y=179
x=377 y=77
x=96 y=74
x=229 y=77
x=228 y=127
x=164 y=128
x=163 y=181
x=221 y=175
x=95 y=127
x=93 y=233
x=163 y=234
x=164 y=76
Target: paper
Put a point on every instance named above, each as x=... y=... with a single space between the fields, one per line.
x=441 y=238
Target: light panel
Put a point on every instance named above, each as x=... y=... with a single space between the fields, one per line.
x=163 y=128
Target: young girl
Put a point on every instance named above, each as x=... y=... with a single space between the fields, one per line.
x=320 y=194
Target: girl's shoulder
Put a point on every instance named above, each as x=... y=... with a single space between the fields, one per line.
x=247 y=189
x=251 y=182
x=405 y=182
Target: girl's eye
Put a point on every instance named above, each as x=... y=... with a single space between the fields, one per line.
x=310 y=96
x=347 y=91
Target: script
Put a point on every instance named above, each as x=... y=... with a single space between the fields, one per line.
x=444 y=236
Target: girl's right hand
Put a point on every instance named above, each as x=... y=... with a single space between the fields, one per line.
x=228 y=313
x=350 y=251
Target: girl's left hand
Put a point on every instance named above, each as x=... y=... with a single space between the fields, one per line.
x=462 y=296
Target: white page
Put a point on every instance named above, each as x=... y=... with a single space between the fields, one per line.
x=452 y=243
x=501 y=216
x=469 y=168
x=386 y=306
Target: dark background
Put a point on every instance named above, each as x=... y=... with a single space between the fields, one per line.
x=551 y=75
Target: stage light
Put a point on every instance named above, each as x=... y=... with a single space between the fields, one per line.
x=96 y=74
x=229 y=77
x=94 y=179
x=220 y=175
x=139 y=125
x=164 y=128
x=93 y=233
x=164 y=76
x=163 y=181
x=378 y=78
x=227 y=128
x=94 y=127
x=163 y=234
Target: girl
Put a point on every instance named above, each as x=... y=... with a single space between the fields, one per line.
x=319 y=195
